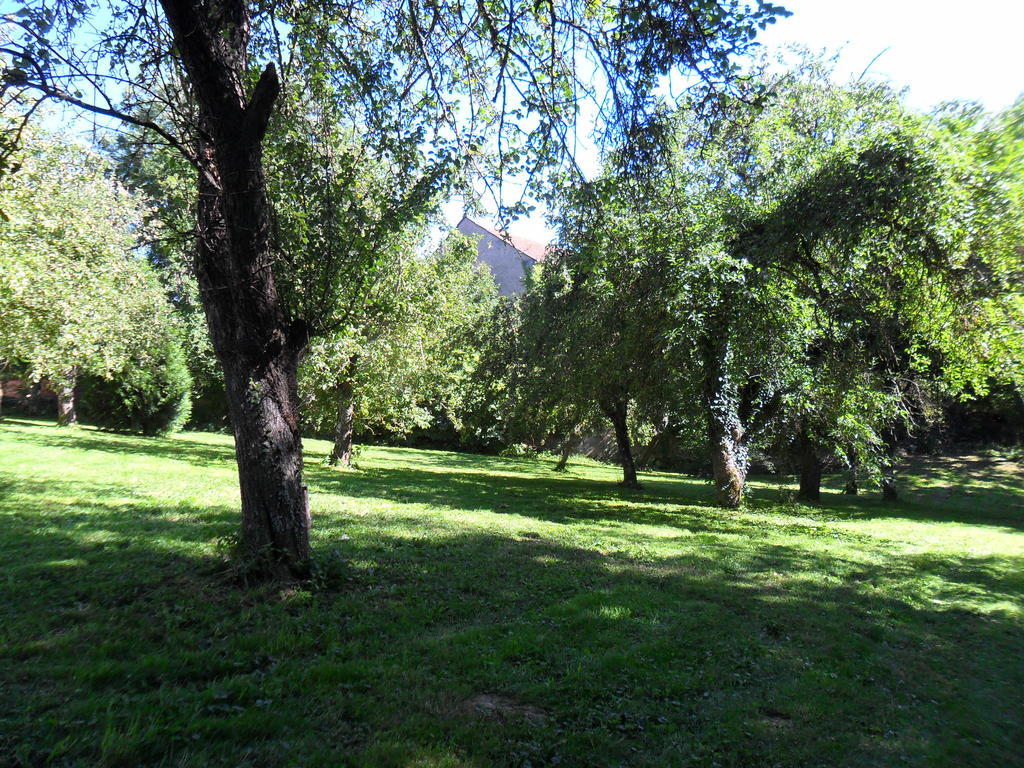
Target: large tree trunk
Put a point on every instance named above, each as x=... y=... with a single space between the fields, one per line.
x=728 y=463
x=255 y=342
x=810 y=469
x=65 y=387
x=341 y=454
x=617 y=412
x=268 y=450
x=260 y=365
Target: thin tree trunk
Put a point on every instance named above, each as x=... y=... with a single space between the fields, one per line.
x=618 y=413
x=851 y=488
x=810 y=469
x=889 y=492
x=563 y=459
x=647 y=453
x=66 y=414
x=343 y=430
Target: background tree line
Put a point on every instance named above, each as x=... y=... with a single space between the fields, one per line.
x=814 y=275
x=811 y=275
x=775 y=264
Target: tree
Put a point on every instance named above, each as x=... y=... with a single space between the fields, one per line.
x=595 y=325
x=879 y=224
x=793 y=279
x=76 y=296
x=408 y=357
x=644 y=312
x=399 y=66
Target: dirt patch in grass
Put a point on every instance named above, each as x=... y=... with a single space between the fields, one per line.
x=775 y=718
x=504 y=708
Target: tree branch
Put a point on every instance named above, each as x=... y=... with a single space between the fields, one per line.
x=261 y=104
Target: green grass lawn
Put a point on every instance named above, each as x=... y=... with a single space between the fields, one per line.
x=475 y=611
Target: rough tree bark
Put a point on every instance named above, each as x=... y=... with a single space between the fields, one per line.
x=345 y=426
x=728 y=462
x=810 y=468
x=617 y=412
x=257 y=346
x=66 y=413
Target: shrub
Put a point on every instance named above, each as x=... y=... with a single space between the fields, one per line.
x=151 y=395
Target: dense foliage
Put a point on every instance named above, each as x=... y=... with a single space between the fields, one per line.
x=151 y=393
x=805 y=275
x=406 y=359
x=77 y=295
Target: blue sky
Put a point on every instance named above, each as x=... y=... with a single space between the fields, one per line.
x=939 y=49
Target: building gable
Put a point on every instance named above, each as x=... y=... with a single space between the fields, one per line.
x=508 y=257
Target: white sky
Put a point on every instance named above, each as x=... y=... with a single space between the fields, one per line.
x=940 y=49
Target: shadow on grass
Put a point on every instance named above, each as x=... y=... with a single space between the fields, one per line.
x=122 y=647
